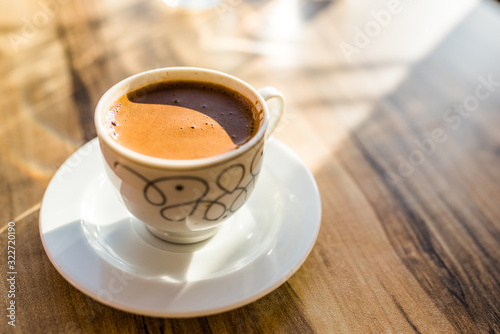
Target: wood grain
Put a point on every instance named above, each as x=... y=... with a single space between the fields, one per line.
x=410 y=235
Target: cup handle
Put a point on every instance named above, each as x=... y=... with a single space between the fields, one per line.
x=277 y=111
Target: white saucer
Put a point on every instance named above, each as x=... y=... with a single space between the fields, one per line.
x=102 y=250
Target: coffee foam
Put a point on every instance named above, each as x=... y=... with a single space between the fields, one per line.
x=181 y=120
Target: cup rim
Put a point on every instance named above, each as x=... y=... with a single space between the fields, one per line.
x=150 y=161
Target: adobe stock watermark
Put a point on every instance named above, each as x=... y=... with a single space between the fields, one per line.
x=255 y=317
x=32 y=25
x=363 y=37
x=225 y=6
x=11 y=272
x=76 y=159
x=453 y=118
x=116 y=284
x=88 y=313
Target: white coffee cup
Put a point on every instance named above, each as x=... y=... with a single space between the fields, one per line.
x=185 y=201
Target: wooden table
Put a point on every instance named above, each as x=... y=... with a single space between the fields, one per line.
x=393 y=105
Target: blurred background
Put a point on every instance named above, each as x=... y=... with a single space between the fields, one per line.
x=57 y=57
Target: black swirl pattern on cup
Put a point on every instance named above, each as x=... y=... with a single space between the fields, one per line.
x=234 y=194
x=183 y=204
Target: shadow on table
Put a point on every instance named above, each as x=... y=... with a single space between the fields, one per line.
x=412 y=188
